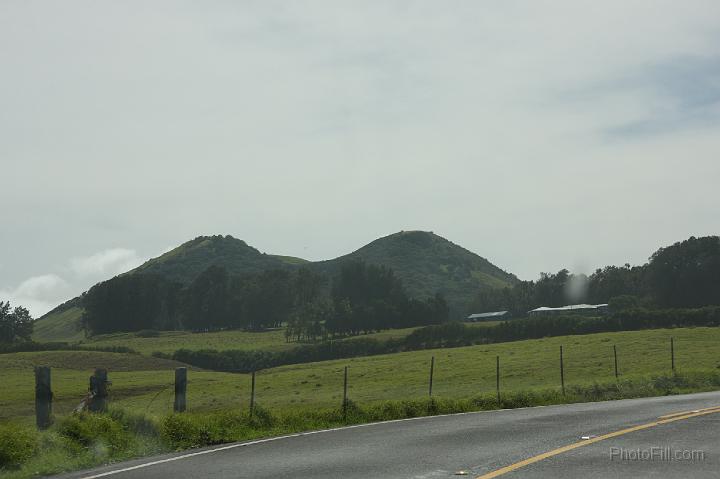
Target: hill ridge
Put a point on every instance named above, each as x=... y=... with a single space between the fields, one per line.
x=426 y=263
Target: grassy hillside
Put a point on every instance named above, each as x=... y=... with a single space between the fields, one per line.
x=62 y=325
x=190 y=259
x=459 y=373
x=426 y=263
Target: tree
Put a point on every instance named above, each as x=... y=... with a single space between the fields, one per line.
x=686 y=274
x=131 y=303
x=206 y=300
x=15 y=324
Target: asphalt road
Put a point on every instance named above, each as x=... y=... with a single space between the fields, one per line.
x=476 y=443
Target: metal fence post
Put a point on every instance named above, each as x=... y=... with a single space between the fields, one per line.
x=345 y=386
x=615 y=355
x=497 y=377
x=252 y=394
x=672 y=354
x=562 y=371
x=432 y=370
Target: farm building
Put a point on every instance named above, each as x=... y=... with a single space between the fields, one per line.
x=492 y=316
x=570 y=309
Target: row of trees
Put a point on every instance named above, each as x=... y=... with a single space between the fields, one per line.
x=363 y=298
x=215 y=300
x=16 y=324
x=684 y=275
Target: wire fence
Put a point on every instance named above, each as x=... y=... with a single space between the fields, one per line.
x=446 y=374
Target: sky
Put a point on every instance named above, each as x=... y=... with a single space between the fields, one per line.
x=541 y=135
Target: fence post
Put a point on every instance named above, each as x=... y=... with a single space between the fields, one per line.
x=252 y=394
x=672 y=354
x=562 y=371
x=98 y=388
x=497 y=377
x=615 y=355
x=345 y=384
x=43 y=397
x=180 y=390
x=432 y=370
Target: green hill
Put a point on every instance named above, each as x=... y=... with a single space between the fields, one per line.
x=428 y=264
x=425 y=262
x=188 y=260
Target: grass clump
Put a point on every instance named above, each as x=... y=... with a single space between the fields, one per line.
x=17 y=445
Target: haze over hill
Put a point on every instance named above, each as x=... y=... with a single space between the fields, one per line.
x=425 y=262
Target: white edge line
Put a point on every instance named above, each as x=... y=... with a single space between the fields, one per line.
x=297 y=434
x=319 y=431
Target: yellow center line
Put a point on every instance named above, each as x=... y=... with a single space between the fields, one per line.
x=662 y=420
x=687 y=412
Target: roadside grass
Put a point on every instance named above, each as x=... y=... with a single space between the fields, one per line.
x=85 y=440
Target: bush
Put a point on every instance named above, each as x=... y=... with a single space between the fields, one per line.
x=99 y=433
x=181 y=431
x=135 y=422
x=17 y=445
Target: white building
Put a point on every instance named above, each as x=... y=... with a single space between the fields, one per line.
x=492 y=316
x=570 y=309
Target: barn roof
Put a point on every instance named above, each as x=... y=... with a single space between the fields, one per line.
x=492 y=314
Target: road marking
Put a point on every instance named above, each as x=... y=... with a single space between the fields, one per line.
x=299 y=434
x=686 y=412
x=662 y=420
x=308 y=433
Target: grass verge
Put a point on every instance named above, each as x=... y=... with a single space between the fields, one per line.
x=84 y=440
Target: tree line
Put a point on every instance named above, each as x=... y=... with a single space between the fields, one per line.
x=16 y=324
x=683 y=275
x=362 y=298
x=448 y=334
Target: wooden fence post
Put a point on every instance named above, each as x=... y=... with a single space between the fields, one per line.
x=615 y=355
x=43 y=397
x=562 y=371
x=432 y=370
x=98 y=388
x=180 y=390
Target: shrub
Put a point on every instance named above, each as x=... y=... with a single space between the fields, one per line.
x=17 y=445
x=99 y=433
x=135 y=422
x=180 y=431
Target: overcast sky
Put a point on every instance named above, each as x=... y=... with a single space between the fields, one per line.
x=540 y=135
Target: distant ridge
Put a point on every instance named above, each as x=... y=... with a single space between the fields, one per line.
x=425 y=262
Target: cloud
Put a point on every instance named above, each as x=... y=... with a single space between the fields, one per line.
x=326 y=124
x=109 y=262
x=39 y=294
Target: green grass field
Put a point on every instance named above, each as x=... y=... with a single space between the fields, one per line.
x=144 y=384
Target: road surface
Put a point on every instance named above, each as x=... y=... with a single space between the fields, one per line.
x=672 y=436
